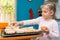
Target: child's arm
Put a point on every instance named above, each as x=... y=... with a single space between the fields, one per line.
x=28 y=22
x=54 y=31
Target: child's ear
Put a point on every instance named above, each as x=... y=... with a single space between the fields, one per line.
x=51 y=12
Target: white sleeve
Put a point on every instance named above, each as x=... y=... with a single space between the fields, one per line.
x=54 y=32
x=32 y=21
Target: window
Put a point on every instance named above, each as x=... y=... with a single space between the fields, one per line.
x=8 y=7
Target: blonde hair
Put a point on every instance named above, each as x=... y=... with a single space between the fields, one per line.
x=51 y=6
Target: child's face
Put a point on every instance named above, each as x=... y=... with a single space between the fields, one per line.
x=46 y=13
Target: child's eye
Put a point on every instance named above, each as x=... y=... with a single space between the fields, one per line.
x=44 y=12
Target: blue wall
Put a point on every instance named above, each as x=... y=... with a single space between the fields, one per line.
x=23 y=7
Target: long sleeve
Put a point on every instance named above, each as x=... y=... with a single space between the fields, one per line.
x=33 y=21
x=54 y=32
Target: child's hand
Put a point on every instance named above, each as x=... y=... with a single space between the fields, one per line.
x=17 y=23
x=45 y=29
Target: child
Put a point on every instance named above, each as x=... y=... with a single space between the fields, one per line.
x=46 y=23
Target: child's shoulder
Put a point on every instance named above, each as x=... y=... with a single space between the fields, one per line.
x=40 y=17
x=54 y=21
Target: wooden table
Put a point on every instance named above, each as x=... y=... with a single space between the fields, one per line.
x=21 y=37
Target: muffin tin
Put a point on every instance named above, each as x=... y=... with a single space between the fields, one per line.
x=20 y=34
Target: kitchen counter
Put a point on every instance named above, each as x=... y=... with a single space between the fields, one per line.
x=21 y=37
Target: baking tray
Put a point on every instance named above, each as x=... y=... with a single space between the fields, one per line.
x=20 y=34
